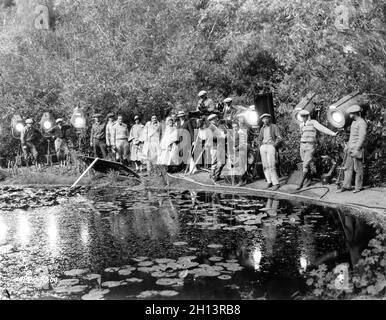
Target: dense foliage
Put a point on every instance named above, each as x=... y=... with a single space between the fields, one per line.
x=147 y=56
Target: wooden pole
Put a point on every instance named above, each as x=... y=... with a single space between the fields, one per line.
x=84 y=172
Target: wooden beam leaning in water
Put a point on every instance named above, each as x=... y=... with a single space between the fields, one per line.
x=84 y=172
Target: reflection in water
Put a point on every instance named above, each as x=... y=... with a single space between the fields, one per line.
x=3 y=231
x=24 y=229
x=256 y=257
x=52 y=232
x=84 y=233
x=303 y=264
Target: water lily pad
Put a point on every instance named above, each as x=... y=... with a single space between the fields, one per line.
x=145 y=264
x=215 y=246
x=112 y=269
x=67 y=282
x=232 y=261
x=92 y=276
x=75 y=272
x=168 y=293
x=95 y=294
x=224 y=277
x=134 y=280
x=164 y=260
x=148 y=294
x=139 y=259
x=180 y=243
x=112 y=284
x=192 y=249
x=169 y=281
x=125 y=272
x=70 y=289
x=158 y=274
x=215 y=259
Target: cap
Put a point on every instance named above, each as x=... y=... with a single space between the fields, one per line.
x=228 y=100
x=97 y=115
x=201 y=93
x=136 y=117
x=110 y=115
x=252 y=107
x=265 y=115
x=304 y=113
x=181 y=114
x=29 y=121
x=59 y=120
x=354 y=108
x=212 y=116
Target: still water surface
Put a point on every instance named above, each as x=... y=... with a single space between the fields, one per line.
x=217 y=246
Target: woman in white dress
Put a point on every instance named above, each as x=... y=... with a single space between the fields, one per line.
x=135 y=143
x=151 y=134
x=168 y=147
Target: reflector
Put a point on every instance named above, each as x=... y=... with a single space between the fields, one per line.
x=19 y=127
x=305 y=104
x=47 y=125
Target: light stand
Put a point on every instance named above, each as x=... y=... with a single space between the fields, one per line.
x=46 y=124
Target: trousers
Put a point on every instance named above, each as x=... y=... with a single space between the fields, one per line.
x=351 y=165
x=216 y=163
x=99 y=145
x=307 y=151
x=123 y=148
x=61 y=145
x=268 y=159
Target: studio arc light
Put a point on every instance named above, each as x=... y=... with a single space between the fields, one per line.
x=305 y=104
x=78 y=119
x=337 y=114
x=17 y=126
x=46 y=123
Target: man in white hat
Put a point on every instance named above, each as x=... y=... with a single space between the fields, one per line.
x=269 y=139
x=59 y=132
x=355 y=151
x=121 y=140
x=216 y=148
x=30 y=137
x=205 y=104
x=229 y=110
x=98 y=136
x=309 y=128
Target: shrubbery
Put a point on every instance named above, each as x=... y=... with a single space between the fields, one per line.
x=147 y=56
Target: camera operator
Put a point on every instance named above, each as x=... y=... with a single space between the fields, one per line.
x=205 y=105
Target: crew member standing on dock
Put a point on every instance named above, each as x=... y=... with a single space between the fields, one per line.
x=60 y=133
x=205 y=105
x=269 y=139
x=30 y=138
x=98 y=136
x=355 y=151
x=109 y=136
x=121 y=140
x=217 y=148
x=136 y=143
x=309 y=128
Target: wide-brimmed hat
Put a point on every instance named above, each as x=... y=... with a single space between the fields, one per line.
x=265 y=115
x=354 y=108
x=304 y=113
x=136 y=117
x=212 y=116
x=181 y=114
x=202 y=92
x=228 y=100
x=110 y=115
x=97 y=115
x=29 y=121
x=58 y=120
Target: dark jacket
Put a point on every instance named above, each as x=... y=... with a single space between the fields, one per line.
x=98 y=132
x=60 y=133
x=31 y=135
x=275 y=135
x=187 y=125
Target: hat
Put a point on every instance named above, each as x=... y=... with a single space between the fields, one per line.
x=59 y=120
x=201 y=93
x=181 y=113
x=212 y=116
x=228 y=100
x=354 y=108
x=97 y=115
x=29 y=121
x=136 y=117
x=252 y=107
x=265 y=115
x=110 y=115
x=304 y=113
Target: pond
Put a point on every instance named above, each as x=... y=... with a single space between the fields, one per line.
x=172 y=245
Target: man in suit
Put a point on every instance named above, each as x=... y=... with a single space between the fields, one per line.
x=355 y=152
